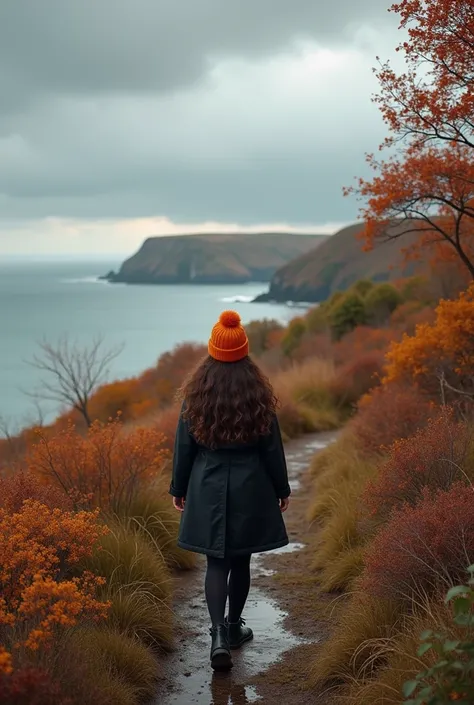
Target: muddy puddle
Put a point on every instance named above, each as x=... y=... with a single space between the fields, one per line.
x=190 y=680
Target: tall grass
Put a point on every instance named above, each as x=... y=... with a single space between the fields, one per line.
x=399 y=659
x=153 y=516
x=340 y=477
x=308 y=403
x=125 y=659
x=138 y=583
x=354 y=648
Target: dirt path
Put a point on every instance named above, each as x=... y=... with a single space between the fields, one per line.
x=277 y=611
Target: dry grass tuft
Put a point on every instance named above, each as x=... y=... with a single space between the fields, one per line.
x=340 y=573
x=400 y=660
x=308 y=402
x=340 y=478
x=138 y=583
x=153 y=516
x=124 y=658
x=353 y=651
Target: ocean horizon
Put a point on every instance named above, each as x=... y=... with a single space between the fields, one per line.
x=47 y=299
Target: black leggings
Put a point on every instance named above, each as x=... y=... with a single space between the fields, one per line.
x=219 y=584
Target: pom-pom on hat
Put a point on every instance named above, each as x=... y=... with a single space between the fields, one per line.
x=228 y=341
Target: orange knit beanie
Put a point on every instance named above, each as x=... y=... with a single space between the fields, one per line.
x=228 y=341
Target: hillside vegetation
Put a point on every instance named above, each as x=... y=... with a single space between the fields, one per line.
x=213 y=258
x=337 y=264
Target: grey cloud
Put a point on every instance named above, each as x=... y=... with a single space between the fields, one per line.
x=127 y=108
x=135 y=45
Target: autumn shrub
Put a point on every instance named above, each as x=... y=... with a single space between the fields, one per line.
x=40 y=594
x=434 y=457
x=21 y=485
x=362 y=341
x=114 y=398
x=409 y=314
x=439 y=356
x=166 y=422
x=103 y=469
x=389 y=414
x=137 y=583
x=162 y=381
x=31 y=686
x=153 y=516
x=422 y=548
x=313 y=345
x=357 y=377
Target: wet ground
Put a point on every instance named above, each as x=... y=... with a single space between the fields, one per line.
x=190 y=680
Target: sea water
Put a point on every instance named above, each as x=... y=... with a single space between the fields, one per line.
x=48 y=300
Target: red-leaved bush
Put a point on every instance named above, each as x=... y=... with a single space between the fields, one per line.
x=433 y=457
x=390 y=413
x=423 y=548
x=30 y=686
x=356 y=378
x=16 y=488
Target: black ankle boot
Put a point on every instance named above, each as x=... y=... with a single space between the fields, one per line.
x=221 y=660
x=238 y=633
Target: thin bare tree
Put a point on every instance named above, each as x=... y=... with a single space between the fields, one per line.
x=73 y=372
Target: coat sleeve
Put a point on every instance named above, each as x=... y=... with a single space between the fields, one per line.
x=185 y=451
x=273 y=456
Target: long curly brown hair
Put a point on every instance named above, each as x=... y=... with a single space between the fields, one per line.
x=228 y=402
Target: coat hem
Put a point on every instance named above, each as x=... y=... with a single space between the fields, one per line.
x=233 y=552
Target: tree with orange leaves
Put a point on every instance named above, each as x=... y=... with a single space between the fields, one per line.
x=428 y=189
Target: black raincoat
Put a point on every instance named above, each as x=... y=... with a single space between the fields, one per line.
x=231 y=494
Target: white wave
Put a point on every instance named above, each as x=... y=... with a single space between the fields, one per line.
x=84 y=280
x=238 y=299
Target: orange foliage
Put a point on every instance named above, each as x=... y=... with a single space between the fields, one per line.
x=438 y=104
x=39 y=546
x=442 y=350
x=6 y=665
x=410 y=189
x=110 y=399
x=431 y=102
x=162 y=381
x=19 y=486
x=103 y=469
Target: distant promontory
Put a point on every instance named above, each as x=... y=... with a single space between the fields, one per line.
x=337 y=264
x=213 y=258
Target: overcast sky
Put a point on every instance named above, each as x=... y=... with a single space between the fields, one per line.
x=125 y=118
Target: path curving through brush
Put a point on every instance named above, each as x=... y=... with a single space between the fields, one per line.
x=189 y=679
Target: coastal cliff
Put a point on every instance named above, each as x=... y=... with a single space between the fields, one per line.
x=337 y=264
x=214 y=258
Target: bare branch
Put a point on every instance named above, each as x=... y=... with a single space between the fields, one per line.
x=73 y=373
